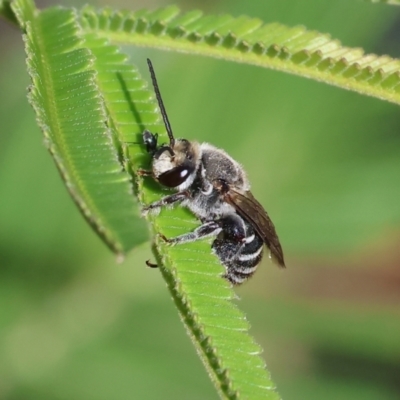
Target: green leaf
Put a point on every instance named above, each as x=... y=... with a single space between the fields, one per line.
x=77 y=125
x=247 y=40
x=217 y=327
x=91 y=106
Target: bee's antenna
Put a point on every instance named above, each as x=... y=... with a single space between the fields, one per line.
x=161 y=104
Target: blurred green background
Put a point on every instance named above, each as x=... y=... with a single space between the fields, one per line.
x=325 y=163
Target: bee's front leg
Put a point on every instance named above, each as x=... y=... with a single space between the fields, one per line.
x=165 y=202
x=144 y=172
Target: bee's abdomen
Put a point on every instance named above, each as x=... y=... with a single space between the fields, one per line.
x=240 y=258
x=245 y=263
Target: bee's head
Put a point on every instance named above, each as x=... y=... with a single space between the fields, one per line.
x=174 y=164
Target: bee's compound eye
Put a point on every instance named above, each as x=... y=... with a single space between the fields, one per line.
x=175 y=176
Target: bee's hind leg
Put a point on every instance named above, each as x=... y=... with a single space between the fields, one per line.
x=208 y=229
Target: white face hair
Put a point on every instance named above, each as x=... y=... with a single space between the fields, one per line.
x=179 y=165
x=163 y=164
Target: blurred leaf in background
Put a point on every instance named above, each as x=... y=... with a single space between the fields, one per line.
x=324 y=162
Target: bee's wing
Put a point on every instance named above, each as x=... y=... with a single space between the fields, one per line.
x=251 y=210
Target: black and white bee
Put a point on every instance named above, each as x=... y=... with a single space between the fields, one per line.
x=215 y=188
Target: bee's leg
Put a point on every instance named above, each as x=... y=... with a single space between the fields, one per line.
x=165 y=201
x=151 y=265
x=211 y=228
x=144 y=172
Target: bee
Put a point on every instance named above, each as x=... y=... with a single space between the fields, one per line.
x=215 y=188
